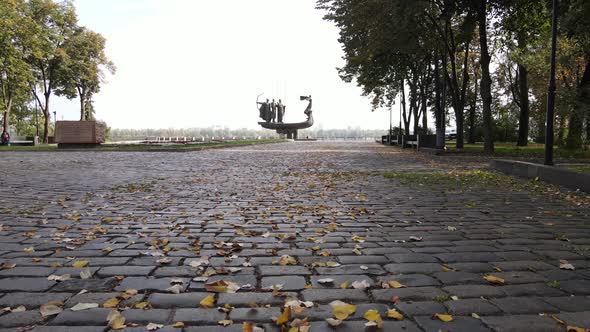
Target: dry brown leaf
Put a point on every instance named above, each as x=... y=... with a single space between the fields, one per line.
x=565 y=265
x=51 y=308
x=84 y=306
x=333 y=322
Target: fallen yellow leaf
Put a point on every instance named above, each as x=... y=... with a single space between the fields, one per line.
x=345 y=284
x=570 y=328
x=178 y=324
x=396 y=284
x=80 y=264
x=443 y=317
x=374 y=316
x=284 y=317
x=116 y=320
x=342 y=310
x=111 y=303
x=208 y=302
x=392 y=313
x=494 y=280
x=142 y=305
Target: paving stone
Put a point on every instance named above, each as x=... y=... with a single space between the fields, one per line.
x=148 y=284
x=290 y=283
x=465 y=307
x=518 y=323
x=31 y=300
x=91 y=285
x=339 y=280
x=90 y=317
x=183 y=300
x=200 y=199
x=279 y=270
x=69 y=329
x=471 y=291
x=25 y=284
x=74 y=272
x=576 y=287
x=459 y=278
x=368 y=269
x=426 y=308
x=411 y=280
x=407 y=294
x=247 y=298
x=101 y=298
x=159 y=316
x=414 y=268
x=24 y=318
x=362 y=259
x=569 y=303
x=27 y=272
x=411 y=258
x=329 y=295
x=264 y=315
x=579 y=319
x=523 y=305
x=428 y=324
x=216 y=328
x=241 y=280
x=112 y=271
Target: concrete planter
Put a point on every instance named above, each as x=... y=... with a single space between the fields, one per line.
x=555 y=175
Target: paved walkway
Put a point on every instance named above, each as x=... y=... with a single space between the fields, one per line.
x=303 y=221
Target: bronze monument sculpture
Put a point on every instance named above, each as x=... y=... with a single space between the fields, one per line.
x=269 y=111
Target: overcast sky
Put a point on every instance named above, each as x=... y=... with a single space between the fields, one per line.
x=200 y=63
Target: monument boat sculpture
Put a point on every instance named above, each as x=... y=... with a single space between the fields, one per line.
x=288 y=129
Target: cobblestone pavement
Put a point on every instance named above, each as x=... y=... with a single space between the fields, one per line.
x=167 y=237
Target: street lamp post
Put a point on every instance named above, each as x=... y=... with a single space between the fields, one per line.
x=551 y=91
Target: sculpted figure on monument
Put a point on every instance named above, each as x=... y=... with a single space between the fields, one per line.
x=280 y=111
x=264 y=110
x=273 y=111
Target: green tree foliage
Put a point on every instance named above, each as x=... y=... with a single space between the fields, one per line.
x=15 y=72
x=82 y=70
x=490 y=56
x=43 y=51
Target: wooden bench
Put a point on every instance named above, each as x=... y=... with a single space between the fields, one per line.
x=24 y=140
x=419 y=141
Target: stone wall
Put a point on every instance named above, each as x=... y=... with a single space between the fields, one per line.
x=80 y=132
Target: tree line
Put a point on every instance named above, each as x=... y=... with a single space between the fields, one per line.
x=44 y=52
x=486 y=60
x=141 y=134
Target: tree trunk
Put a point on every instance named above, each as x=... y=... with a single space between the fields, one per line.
x=486 y=80
x=47 y=119
x=438 y=108
x=425 y=111
x=472 y=111
x=8 y=107
x=404 y=114
x=523 y=86
x=576 y=123
x=523 y=123
x=561 y=131
x=82 y=110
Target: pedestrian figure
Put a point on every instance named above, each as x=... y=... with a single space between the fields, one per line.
x=5 y=138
